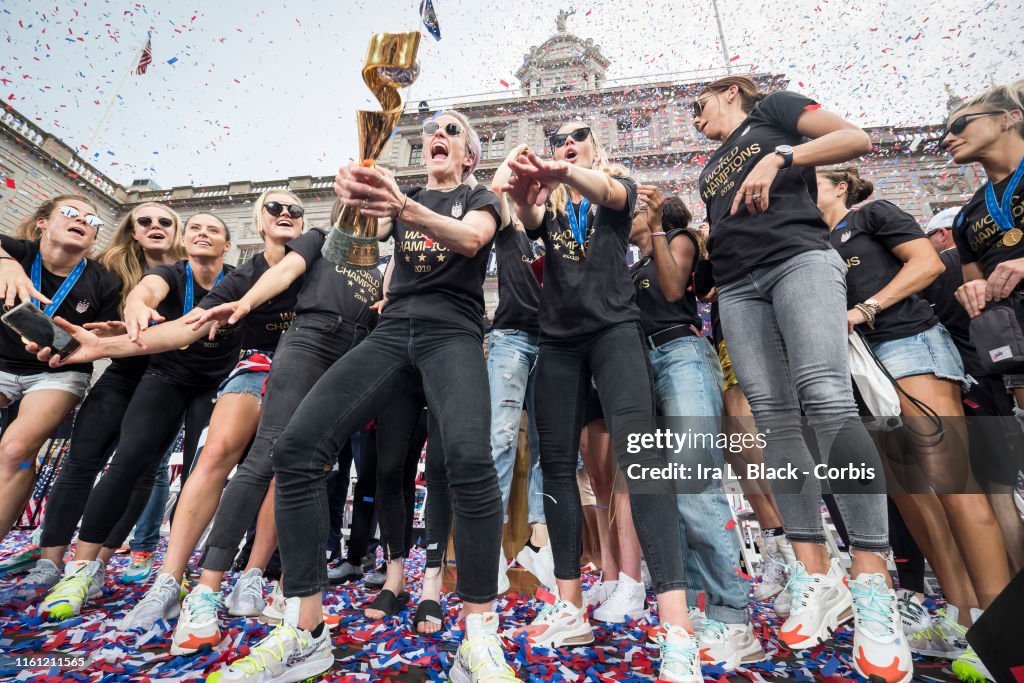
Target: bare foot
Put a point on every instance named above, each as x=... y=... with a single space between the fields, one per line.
x=431 y=591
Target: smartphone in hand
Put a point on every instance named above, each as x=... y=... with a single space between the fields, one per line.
x=35 y=326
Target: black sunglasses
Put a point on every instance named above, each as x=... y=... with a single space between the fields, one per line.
x=146 y=221
x=699 y=104
x=452 y=129
x=960 y=123
x=275 y=209
x=559 y=139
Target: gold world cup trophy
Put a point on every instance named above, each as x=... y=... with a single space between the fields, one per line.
x=390 y=65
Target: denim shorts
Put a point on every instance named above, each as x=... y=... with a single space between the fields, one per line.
x=14 y=387
x=243 y=379
x=931 y=352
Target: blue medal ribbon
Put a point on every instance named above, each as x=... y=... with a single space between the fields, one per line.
x=62 y=292
x=190 y=288
x=579 y=232
x=1002 y=212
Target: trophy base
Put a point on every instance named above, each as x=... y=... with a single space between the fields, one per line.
x=343 y=249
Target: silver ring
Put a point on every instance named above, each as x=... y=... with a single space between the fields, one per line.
x=756 y=196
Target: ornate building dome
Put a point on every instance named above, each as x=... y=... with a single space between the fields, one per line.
x=562 y=63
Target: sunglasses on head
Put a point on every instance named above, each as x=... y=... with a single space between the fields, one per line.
x=452 y=129
x=559 y=139
x=958 y=124
x=275 y=209
x=146 y=221
x=699 y=104
x=90 y=218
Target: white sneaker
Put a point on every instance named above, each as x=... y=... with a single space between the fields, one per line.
x=40 y=579
x=273 y=613
x=697 y=620
x=289 y=654
x=480 y=658
x=680 y=658
x=627 y=602
x=880 y=648
x=778 y=557
x=246 y=600
x=503 y=582
x=645 y=575
x=559 y=625
x=729 y=645
x=945 y=638
x=598 y=592
x=540 y=563
x=914 y=616
x=783 y=601
x=198 y=626
x=820 y=603
x=83 y=581
x=162 y=601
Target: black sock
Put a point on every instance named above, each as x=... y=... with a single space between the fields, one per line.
x=318 y=630
x=531 y=546
x=773 y=532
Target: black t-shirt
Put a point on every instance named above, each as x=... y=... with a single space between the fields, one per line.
x=865 y=239
x=940 y=294
x=978 y=236
x=792 y=224
x=431 y=282
x=203 y=363
x=587 y=289
x=518 y=289
x=335 y=290
x=263 y=327
x=94 y=298
x=656 y=312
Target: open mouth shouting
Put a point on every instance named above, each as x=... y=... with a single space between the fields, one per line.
x=77 y=229
x=284 y=223
x=571 y=155
x=439 y=150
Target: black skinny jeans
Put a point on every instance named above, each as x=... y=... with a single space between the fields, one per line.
x=93 y=440
x=449 y=361
x=363 y=500
x=617 y=359
x=310 y=346
x=402 y=429
x=150 y=424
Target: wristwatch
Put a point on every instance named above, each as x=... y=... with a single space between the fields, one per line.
x=786 y=152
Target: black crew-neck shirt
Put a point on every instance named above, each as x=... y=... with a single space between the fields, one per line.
x=203 y=363
x=94 y=298
x=518 y=289
x=587 y=289
x=979 y=238
x=656 y=312
x=332 y=289
x=263 y=327
x=865 y=239
x=792 y=224
x=941 y=295
x=431 y=282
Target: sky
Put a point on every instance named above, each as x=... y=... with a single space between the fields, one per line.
x=254 y=90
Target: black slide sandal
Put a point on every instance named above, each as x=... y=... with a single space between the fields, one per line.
x=389 y=603
x=428 y=611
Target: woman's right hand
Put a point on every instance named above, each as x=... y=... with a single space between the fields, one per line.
x=973 y=296
x=225 y=314
x=16 y=285
x=379 y=306
x=89 y=350
x=138 y=318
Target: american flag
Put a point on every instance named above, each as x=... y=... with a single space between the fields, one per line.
x=146 y=58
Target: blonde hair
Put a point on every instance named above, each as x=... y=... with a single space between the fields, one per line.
x=257 y=209
x=1002 y=97
x=124 y=256
x=27 y=228
x=560 y=195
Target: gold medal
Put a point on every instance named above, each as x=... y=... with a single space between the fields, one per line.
x=1012 y=238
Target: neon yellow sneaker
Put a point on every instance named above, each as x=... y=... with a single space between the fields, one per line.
x=969 y=667
x=83 y=581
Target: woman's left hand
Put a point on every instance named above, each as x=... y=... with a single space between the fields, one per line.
x=854 y=317
x=651 y=195
x=1004 y=279
x=370 y=189
x=754 y=190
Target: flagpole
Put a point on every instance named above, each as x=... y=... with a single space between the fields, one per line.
x=110 y=105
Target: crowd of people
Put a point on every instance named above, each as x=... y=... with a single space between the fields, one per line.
x=297 y=367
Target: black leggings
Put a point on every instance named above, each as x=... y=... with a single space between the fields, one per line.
x=150 y=424
x=93 y=440
x=363 y=500
x=402 y=430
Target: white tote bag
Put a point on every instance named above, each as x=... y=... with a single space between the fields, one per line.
x=875 y=388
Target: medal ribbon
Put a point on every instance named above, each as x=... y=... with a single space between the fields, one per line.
x=579 y=232
x=1002 y=212
x=65 y=288
x=189 y=287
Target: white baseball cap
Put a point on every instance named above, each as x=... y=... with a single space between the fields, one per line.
x=943 y=219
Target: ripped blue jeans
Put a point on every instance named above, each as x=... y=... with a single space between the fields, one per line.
x=510 y=359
